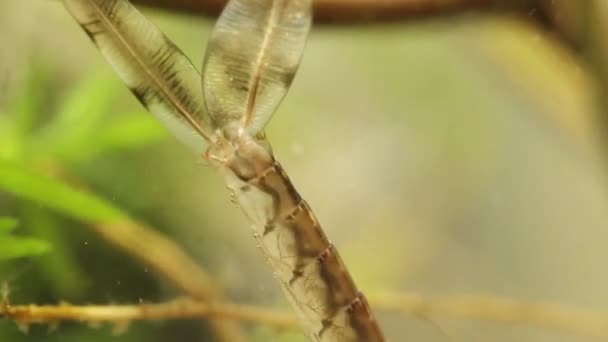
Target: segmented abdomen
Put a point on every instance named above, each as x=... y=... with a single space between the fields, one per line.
x=307 y=265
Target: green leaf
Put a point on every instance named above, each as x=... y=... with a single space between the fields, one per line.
x=16 y=246
x=84 y=128
x=133 y=131
x=22 y=116
x=12 y=247
x=79 y=117
x=130 y=131
x=27 y=184
x=7 y=224
x=47 y=225
x=29 y=105
x=10 y=141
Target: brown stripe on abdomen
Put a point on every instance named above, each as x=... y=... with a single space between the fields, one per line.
x=363 y=322
x=306 y=263
x=274 y=182
x=318 y=274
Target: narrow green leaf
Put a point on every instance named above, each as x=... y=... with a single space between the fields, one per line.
x=133 y=131
x=28 y=106
x=129 y=132
x=7 y=224
x=10 y=141
x=12 y=247
x=47 y=225
x=79 y=117
x=22 y=182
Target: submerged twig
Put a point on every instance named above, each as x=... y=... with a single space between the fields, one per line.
x=124 y=314
x=474 y=307
x=349 y=11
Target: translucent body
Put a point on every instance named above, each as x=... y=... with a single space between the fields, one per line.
x=308 y=267
x=254 y=52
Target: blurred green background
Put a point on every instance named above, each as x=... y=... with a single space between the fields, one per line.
x=443 y=156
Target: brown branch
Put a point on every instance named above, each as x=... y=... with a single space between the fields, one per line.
x=349 y=11
x=122 y=315
x=486 y=308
